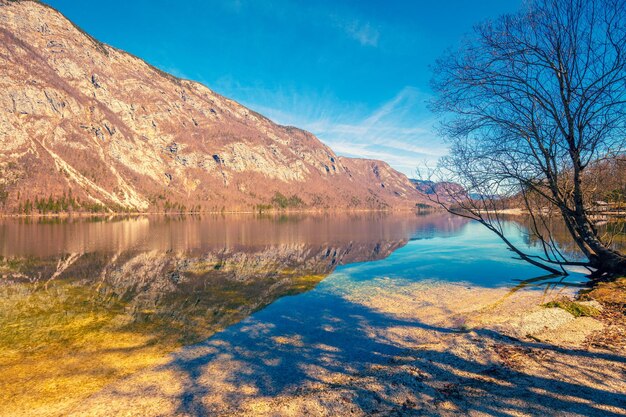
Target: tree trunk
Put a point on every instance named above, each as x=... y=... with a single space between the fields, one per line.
x=601 y=257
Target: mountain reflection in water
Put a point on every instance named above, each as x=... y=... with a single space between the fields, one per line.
x=197 y=274
x=87 y=301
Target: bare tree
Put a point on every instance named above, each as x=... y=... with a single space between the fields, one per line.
x=529 y=103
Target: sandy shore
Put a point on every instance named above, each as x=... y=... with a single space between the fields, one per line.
x=428 y=348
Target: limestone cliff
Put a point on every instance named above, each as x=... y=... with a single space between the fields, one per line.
x=81 y=117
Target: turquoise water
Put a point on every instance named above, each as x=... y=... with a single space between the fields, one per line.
x=473 y=255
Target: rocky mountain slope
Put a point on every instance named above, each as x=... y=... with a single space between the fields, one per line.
x=85 y=126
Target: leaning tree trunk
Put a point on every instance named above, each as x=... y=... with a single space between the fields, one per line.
x=602 y=258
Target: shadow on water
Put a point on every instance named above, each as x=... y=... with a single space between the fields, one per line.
x=547 y=283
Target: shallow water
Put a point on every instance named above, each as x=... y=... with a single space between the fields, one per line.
x=87 y=301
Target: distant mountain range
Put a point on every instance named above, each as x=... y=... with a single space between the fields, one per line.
x=445 y=192
x=87 y=127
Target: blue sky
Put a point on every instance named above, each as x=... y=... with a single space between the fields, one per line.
x=355 y=73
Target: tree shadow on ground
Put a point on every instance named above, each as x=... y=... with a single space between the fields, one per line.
x=328 y=343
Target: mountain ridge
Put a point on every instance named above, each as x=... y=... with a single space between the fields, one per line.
x=85 y=126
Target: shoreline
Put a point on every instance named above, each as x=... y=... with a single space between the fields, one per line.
x=508 y=212
x=191 y=213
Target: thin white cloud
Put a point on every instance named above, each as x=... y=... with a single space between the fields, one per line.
x=404 y=163
x=364 y=33
x=399 y=131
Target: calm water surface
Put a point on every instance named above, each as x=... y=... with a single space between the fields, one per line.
x=83 y=302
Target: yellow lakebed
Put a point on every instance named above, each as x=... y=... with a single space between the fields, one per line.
x=60 y=344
